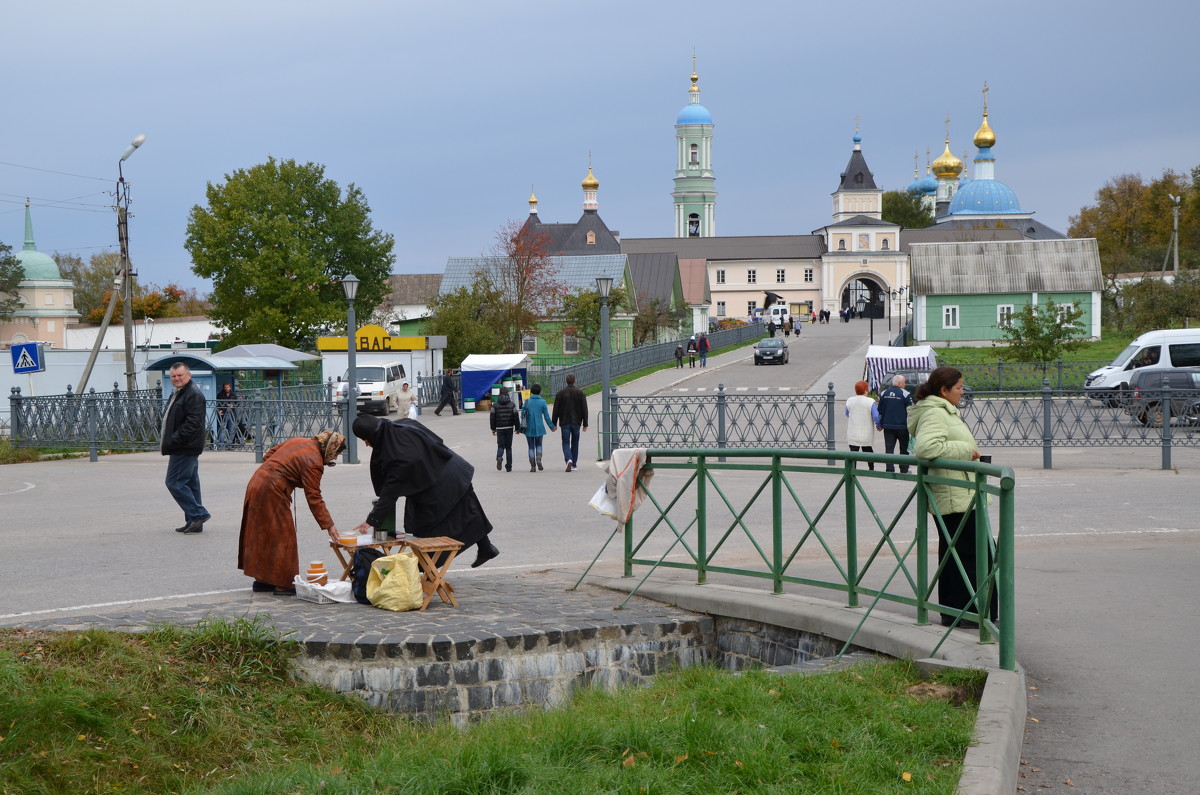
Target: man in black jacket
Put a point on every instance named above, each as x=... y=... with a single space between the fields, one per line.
x=504 y=419
x=447 y=396
x=182 y=440
x=893 y=416
x=570 y=415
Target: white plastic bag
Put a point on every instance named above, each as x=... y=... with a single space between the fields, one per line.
x=412 y=411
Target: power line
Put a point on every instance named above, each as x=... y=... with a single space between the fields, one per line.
x=60 y=173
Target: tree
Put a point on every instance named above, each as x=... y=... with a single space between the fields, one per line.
x=521 y=274
x=581 y=315
x=466 y=318
x=1153 y=303
x=906 y=208
x=652 y=315
x=93 y=281
x=11 y=276
x=276 y=240
x=1041 y=334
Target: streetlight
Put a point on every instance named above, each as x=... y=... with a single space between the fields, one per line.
x=122 y=282
x=350 y=290
x=863 y=303
x=604 y=287
x=892 y=301
x=1175 y=229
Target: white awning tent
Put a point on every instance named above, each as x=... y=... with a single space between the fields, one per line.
x=481 y=370
x=881 y=359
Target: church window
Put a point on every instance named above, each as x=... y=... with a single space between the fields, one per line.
x=591 y=238
x=570 y=344
x=720 y=275
x=780 y=276
x=720 y=309
x=529 y=343
x=693 y=225
x=694 y=157
x=885 y=245
x=950 y=317
x=808 y=275
x=751 y=276
x=841 y=245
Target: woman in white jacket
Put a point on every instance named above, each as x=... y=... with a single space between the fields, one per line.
x=863 y=414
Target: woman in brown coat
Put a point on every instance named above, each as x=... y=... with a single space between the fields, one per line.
x=267 y=547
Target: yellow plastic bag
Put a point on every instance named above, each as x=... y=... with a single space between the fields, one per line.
x=395 y=582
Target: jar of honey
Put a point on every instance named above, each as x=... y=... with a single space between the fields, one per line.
x=316 y=573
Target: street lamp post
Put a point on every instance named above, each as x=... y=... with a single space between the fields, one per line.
x=892 y=300
x=350 y=290
x=604 y=287
x=1175 y=229
x=863 y=303
x=122 y=282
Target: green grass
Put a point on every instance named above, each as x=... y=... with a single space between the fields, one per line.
x=1105 y=349
x=17 y=455
x=211 y=709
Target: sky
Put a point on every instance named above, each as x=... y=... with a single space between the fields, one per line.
x=446 y=115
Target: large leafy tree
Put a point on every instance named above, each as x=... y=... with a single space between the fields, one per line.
x=276 y=240
x=520 y=272
x=11 y=275
x=1153 y=303
x=581 y=315
x=654 y=314
x=467 y=318
x=1042 y=333
x=906 y=208
x=93 y=280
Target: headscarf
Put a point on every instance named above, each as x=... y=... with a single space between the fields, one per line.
x=332 y=444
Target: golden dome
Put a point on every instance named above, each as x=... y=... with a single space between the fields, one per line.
x=590 y=182
x=532 y=198
x=984 y=137
x=947 y=166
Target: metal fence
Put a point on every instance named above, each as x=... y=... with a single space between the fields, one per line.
x=778 y=521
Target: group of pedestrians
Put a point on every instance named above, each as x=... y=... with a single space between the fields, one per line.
x=534 y=420
x=694 y=347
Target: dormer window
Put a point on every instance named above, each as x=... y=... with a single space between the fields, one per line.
x=591 y=238
x=858 y=179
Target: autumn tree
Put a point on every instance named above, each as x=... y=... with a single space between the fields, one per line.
x=907 y=208
x=276 y=240
x=1042 y=333
x=11 y=275
x=93 y=281
x=523 y=277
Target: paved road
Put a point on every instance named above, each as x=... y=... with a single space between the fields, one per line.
x=1107 y=552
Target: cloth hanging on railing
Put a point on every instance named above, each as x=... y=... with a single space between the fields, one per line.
x=622 y=492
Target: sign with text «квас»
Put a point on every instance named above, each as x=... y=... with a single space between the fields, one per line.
x=27 y=358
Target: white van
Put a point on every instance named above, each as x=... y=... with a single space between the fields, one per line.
x=378 y=386
x=1154 y=349
x=777 y=313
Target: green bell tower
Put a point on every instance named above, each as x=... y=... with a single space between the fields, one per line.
x=695 y=192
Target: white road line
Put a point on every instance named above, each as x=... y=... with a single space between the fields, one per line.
x=118 y=604
x=26 y=487
x=1150 y=532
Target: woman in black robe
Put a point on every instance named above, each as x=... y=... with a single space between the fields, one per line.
x=408 y=460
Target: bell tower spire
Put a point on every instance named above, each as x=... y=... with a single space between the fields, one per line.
x=695 y=194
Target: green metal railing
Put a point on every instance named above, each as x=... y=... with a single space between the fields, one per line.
x=787 y=516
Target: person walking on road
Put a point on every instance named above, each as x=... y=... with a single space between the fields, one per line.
x=691 y=351
x=182 y=441
x=678 y=357
x=939 y=431
x=863 y=413
x=448 y=398
x=504 y=418
x=704 y=346
x=571 y=416
x=536 y=420
x=408 y=400
x=267 y=549
x=893 y=416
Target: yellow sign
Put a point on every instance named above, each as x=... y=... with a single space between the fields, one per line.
x=373 y=338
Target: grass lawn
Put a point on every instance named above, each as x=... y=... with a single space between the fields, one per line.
x=211 y=709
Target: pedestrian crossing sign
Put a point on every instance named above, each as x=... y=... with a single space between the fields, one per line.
x=27 y=358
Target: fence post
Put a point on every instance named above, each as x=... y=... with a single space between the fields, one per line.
x=14 y=412
x=1060 y=371
x=999 y=374
x=722 y=441
x=258 y=429
x=1047 y=427
x=90 y=411
x=1165 y=403
x=830 y=443
x=614 y=427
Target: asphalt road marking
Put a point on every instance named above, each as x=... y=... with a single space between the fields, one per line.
x=26 y=487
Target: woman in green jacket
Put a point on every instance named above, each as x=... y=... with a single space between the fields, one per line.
x=939 y=432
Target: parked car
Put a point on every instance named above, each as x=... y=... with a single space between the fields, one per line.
x=378 y=387
x=772 y=350
x=1162 y=349
x=1145 y=395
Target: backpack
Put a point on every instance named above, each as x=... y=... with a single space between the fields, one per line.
x=360 y=569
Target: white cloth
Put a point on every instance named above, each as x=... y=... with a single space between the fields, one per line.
x=621 y=493
x=860 y=426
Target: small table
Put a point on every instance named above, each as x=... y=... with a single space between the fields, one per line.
x=427 y=550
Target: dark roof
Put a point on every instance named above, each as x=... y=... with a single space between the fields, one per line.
x=1028 y=227
x=570 y=240
x=413 y=288
x=725 y=248
x=857 y=176
x=573 y=272
x=654 y=276
x=860 y=220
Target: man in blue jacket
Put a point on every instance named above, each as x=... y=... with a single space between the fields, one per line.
x=182 y=440
x=893 y=416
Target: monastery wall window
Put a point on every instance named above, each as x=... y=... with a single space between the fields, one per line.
x=720 y=309
x=808 y=275
x=780 y=276
x=720 y=275
x=751 y=276
x=842 y=245
x=885 y=245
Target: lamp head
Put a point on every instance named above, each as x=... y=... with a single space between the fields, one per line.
x=350 y=286
x=604 y=286
x=137 y=141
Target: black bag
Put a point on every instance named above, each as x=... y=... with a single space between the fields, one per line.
x=359 y=569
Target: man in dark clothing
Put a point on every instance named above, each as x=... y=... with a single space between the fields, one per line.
x=893 y=417
x=447 y=396
x=504 y=418
x=409 y=460
x=182 y=440
x=704 y=346
x=570 y=415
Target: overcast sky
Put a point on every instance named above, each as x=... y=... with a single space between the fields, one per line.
x=446 y=114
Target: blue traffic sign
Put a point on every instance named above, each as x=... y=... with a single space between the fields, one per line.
x=27 y=358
